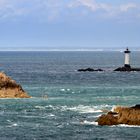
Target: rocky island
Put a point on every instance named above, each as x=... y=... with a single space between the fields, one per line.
x=10 y=89
x=121 y=115
x=126 y=68
x=89 y=70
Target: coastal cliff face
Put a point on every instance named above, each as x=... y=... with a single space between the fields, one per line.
x=10 y=89
x=121 y=115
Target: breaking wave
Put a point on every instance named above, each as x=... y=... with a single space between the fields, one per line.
x=89 y=122
x=79 y=108
x=124 y=125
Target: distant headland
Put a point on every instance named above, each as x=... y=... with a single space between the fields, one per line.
x=126 y=68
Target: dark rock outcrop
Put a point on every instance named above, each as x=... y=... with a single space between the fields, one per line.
x=136 y=106
x=10 y=89
x=89 y=70
x=121 y=115
x=127 y=68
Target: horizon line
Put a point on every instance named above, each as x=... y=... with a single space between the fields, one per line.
x=67 y=50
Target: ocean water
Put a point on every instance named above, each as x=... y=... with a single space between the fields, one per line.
x=74 y=99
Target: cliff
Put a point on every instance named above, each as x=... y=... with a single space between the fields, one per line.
x=121 y=115
x=10 y=89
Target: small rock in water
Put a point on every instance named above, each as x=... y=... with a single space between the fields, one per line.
x=89 y=70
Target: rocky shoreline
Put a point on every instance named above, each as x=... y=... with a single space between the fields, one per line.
x=121 y=115
x=10 y=89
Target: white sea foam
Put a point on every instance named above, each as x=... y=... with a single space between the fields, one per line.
x=120 y=125
x=96 y=116
x=31 y=116
x=51 y=115
x=60 y=126
x=65 y=89
x=113 y=108
x=89 y=123
x=79 y=108
x=62 y=89
x=40 y=107
x=124 y=125
x=85 y=109
x=13 y=125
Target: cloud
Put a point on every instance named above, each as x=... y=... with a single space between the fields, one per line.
x=14 y=8
x=127 y=7
x=86 y=3
x=91 y=4
x=108 y=9
x=51 y=10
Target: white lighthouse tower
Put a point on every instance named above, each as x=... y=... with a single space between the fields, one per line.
x=127 y=58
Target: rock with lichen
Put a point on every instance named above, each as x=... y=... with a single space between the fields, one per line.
x=10 y=89
x=121 y=115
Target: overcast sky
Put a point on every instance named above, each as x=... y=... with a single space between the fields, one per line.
x=69 y=23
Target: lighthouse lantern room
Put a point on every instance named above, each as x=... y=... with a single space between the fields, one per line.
x=127 y=58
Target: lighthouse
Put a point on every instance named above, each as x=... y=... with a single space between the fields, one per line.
x=127 y=58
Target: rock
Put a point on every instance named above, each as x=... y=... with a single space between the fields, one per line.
x=108 y=119
x=84 y=70
x=118 y=109
x=104 y=110
x=98 y=70
x=121 y=115
x=136 y=106
x=130 y=116
x=89 y=70
x=10 y=89
x=127 y=68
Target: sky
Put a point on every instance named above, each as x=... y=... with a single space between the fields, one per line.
x=69 y=24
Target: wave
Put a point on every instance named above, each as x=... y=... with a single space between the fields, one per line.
x=13 y=125
x=79 y=108
x=63 y=89
x=51 y=115
x=89 y=123
x=96 y=123
x=37 y=116
x=113 y=108
x=96 y=116
x=84 y=109
x=124 y=125
x=40 y=107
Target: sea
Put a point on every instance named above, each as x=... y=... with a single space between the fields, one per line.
x=65 y=103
